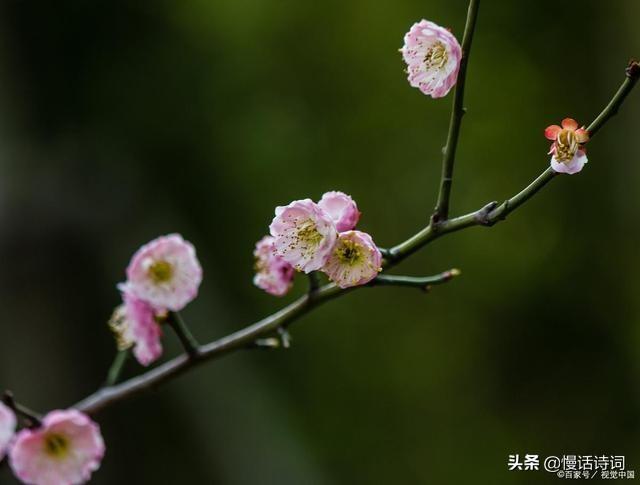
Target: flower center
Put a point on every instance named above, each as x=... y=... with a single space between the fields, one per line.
x=436 y=56
x=160 y=271
x=566 y=145
x=349 y=252
x=56 y=445
x=308 y=233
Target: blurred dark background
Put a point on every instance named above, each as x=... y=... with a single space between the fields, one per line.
x=121 y=121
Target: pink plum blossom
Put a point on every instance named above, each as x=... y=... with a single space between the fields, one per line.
x=567 y=153
x=273 y=274
x=136 y=324
x=342 y=209
x=165 y=272
x=433 y=56
x=355 y=260
x=65 y=450
x=7 y=428
x=304 y=234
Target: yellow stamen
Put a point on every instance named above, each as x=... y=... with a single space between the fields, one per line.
x=308 y=233
x=160 y=271
x=566 y=145
x=436 y=56
x=56 y=445
x=349 y=252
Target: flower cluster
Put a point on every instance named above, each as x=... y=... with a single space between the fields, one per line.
x=164 y=275
x=433 y=56
x=64 y=449
x=307 y=236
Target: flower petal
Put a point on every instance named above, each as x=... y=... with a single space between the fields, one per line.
x=569 y=124
x=360 y=267
x=573 y=166
x=7 y=428
x=273 y=274
x=304 y=235
x=551 y=132
x=33 y=462
x=342 y=209
x=436 y=79
x=181 y=281
x=582 y=135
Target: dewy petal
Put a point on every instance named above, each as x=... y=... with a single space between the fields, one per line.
x=83 y=450
x=7 y=428
x=569 y=124
x=582 y=135
x=551 y=132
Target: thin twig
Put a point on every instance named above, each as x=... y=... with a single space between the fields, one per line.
x=185 y=336
x=178 y=365
x=116 y=367
x=441 y=211
x=633 y=74
x=33 y=418
x=494 y=212
x=421 y=282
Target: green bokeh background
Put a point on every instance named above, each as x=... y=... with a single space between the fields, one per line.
x=121 y=121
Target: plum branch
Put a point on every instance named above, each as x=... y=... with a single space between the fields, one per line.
x=271 y=332
x=441 y=211
x=246 y=337
x=493 y=212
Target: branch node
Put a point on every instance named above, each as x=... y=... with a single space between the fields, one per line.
x=633 y=69
x=504 y=210
x=386 y=254
x=482 y=216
